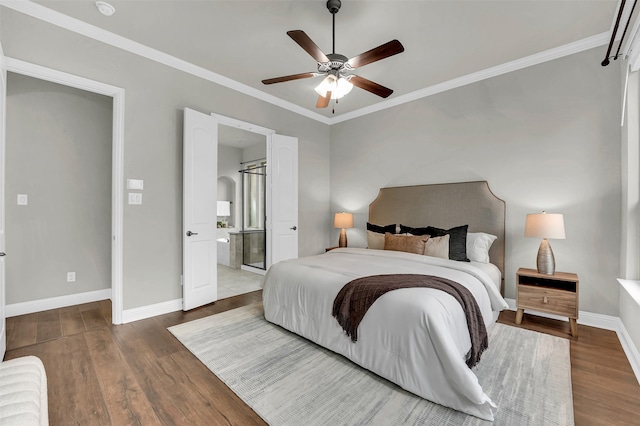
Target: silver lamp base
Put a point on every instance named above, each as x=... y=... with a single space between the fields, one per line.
x=546 y=263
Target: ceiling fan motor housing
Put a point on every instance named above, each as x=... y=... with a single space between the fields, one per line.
x=337 y=62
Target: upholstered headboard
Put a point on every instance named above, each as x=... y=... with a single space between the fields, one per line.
x=444 y=206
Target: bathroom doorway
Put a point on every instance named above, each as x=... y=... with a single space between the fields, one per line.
x=241 y=239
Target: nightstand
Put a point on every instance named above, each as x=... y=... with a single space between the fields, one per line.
x=553 y=294
x=330 y=248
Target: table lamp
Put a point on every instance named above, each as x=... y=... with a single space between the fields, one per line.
x=343 y=220
x=545 y=225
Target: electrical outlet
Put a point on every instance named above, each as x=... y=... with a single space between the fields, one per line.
x=71 y=277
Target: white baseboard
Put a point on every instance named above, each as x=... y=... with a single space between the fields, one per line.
x=606 y=322
x=629 y=349
x=144 y=312
x=32 y=306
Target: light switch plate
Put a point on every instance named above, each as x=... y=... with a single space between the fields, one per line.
x=135 y=184
x=23 y=199
x=135 y=198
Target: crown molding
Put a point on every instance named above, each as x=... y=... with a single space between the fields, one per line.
x=56 y=18
x=75 y=25
x=527 y=61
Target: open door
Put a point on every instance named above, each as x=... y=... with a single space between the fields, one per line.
x=200 y=172
x=283 y=169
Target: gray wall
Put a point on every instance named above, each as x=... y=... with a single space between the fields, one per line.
x=58 y=148
x=546 y=137
x=155 y=98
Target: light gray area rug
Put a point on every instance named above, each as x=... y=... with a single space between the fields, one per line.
x=288 y=380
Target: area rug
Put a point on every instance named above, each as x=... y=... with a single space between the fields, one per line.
x=288 y=380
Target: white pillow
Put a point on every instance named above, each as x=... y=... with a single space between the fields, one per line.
x=375 y=240
x=478 y=245
x=437 y=247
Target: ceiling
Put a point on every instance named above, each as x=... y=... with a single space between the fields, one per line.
x=239 y=138
x=246 y=41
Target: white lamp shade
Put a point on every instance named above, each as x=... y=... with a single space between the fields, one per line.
x=337 y=86
x=545 y=225
x=224 y=208
x=343 y=220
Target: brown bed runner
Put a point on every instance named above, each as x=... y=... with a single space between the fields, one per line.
x=355 y=298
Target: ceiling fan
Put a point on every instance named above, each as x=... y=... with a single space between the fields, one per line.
x=336 y=67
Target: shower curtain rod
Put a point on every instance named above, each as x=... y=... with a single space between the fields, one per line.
x=605 y=62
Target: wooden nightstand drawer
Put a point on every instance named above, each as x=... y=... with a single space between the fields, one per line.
x=559 y=302
x=554 y=294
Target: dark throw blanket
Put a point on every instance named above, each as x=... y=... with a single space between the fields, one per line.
x=355 y=298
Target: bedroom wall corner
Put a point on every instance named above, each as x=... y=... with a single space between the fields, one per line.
x=544 y=137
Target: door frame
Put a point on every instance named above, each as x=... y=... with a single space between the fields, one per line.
x=268 y=133
x=117 y=162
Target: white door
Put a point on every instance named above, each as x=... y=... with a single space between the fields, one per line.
x=283 y=169
x=199 y=209
x=3 y=98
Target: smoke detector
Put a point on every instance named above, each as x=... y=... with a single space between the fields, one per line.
x=105 y=8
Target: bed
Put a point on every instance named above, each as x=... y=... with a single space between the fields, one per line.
x=415 y=337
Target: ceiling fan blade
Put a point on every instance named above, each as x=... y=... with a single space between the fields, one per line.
x=290 y=77
x=370 y=86
x=307 y=44
x=384 y=51
x=323 y=102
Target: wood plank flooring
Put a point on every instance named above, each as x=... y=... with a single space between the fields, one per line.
x=139 y=374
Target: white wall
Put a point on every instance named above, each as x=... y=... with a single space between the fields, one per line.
x=155 y=97
x=546 y=137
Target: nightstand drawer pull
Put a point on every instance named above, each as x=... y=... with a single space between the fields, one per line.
x=545 y=299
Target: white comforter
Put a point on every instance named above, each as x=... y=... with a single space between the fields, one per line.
x=415 y=337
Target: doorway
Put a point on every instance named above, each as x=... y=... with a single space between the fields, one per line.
x=116 y=182
x=200 y=174
x=57 y=190
x=241 y=234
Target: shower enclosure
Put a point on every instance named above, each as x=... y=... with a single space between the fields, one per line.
x=254 y=244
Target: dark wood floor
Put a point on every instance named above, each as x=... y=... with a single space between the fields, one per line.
x=139 y=374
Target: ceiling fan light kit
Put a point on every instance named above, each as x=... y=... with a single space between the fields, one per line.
x=338 y=87
x=336 y=67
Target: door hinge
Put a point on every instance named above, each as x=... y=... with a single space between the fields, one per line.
x=182 y=280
